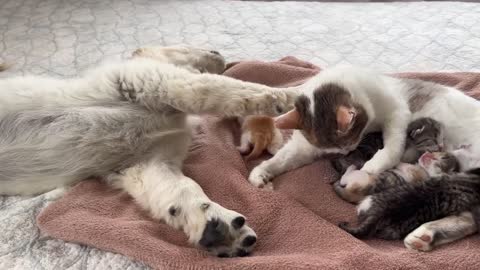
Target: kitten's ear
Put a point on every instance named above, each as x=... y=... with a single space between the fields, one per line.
x=345 y=118
x=289 y=120
x=417 y=131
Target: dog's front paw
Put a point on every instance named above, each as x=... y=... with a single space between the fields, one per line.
x=272 y=103
x=261 y=178
x=226 y=234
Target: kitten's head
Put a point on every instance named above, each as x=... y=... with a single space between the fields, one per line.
x=329 y=119
x=426 y=135
x=193 y=59
x=438 y=163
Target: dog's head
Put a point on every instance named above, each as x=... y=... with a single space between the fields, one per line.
x=193 y=59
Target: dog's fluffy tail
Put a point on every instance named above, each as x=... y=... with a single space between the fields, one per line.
x=42 y=149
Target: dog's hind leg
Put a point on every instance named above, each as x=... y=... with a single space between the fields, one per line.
x=168 y=195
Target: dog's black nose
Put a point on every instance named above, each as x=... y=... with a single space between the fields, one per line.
x=215 y=52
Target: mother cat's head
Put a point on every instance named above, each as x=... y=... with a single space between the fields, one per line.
x=328 y=117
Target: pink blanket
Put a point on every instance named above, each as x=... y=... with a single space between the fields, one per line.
x=296 y=223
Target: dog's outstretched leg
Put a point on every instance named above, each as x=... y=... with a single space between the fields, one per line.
x=163 y=190
x=157 y=85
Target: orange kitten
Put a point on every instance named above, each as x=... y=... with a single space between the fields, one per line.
x=260 y=132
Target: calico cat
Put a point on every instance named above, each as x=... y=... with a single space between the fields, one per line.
x=337 y=107
x=341 y=104
x=400 y=208
x=259 y=131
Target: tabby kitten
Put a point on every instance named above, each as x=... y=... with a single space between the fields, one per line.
x=423 y=135
x=400 y=208
x=368 y=146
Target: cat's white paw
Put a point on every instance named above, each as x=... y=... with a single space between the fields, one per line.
x=243 y=149
x=371 y=167
x=378 y=163
x=259 y=177
x=421 y=239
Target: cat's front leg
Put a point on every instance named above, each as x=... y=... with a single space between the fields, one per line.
x=296 y=153
x=394 y=138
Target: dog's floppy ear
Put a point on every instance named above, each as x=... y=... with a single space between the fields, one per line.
x=289 y=120
x=4 y=66
x=231 y=64
x=138 y=52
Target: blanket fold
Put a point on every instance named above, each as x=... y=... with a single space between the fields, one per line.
x=296 y=224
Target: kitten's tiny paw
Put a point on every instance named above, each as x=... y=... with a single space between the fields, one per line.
x=243 y=150
x=260 y=178
x=420 y=239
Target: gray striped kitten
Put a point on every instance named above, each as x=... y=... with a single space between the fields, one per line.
x=396 y=211
x=424 y=135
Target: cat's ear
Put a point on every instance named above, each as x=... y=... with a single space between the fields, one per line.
x=289 y=120
x=345 y=118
